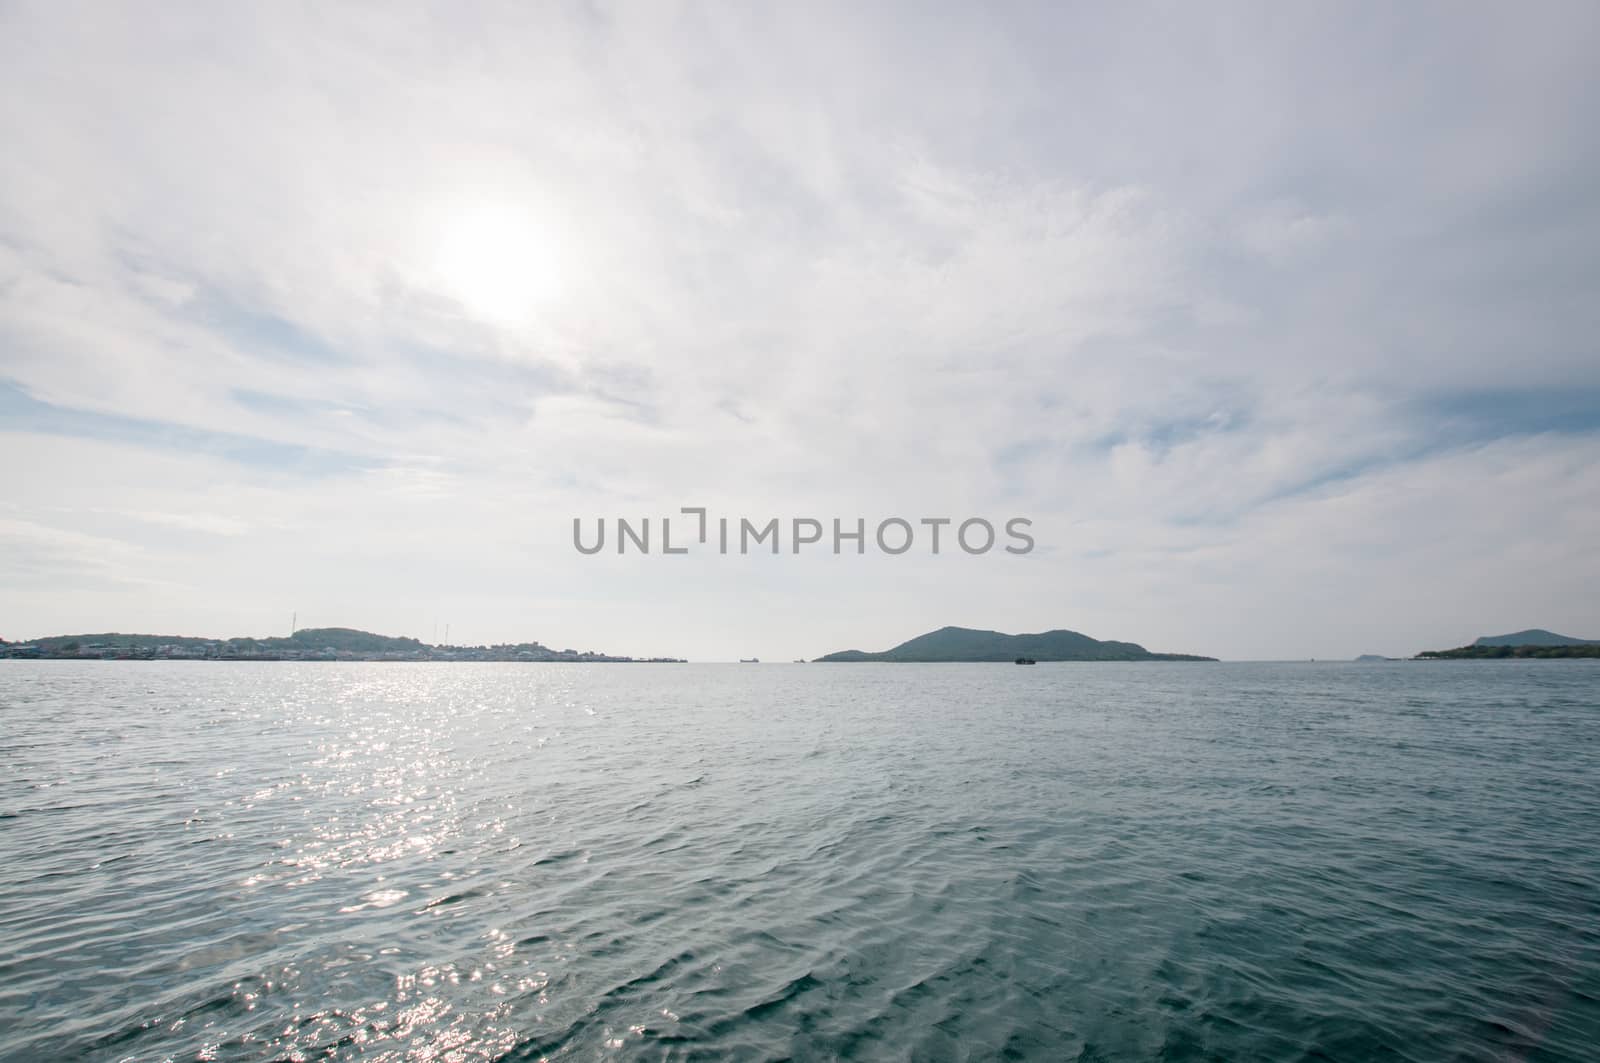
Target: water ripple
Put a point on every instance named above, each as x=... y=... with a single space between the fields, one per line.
x=419 y=862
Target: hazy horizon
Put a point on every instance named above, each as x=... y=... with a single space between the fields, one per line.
x=1278 y=324
x=448 y=640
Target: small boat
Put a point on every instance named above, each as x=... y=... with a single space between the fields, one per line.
x=1026 y=660
x=749 y=660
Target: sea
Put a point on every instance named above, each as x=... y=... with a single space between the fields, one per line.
x=1074 y=861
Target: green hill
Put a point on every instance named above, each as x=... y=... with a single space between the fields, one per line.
x=966 y=644
x=1484 y=653
x=306 y=644
x=345 y=639
x=1534 y=637
x=341 y=639
x=114 y=640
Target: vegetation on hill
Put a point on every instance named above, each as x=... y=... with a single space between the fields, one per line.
x=348 y=639
x=1487 y=652
x=336 y=638
x=1534 y=637
x=321 y=644
x=966 y=644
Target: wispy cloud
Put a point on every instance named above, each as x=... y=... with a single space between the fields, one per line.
x=392 y=294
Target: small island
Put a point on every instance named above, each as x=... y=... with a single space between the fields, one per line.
x=1535 y=644
x=960 y=644
x=306 y=644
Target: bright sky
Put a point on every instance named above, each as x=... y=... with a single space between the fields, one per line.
x=1278 y=321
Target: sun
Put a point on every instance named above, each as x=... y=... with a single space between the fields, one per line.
x=498 y=262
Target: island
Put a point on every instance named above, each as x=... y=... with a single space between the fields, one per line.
x=1535 y=643
x=1537 y=636
x=960 y=644
x=306 y=644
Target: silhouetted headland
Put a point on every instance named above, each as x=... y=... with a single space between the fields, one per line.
x=961 y=644
x=307 y=644
x=1534 y=643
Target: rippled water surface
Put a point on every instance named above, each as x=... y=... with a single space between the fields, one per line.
x=1071 y=861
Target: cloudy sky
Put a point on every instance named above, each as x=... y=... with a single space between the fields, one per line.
x=1279 y=322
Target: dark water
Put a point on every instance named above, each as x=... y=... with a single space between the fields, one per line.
x=1095 y=862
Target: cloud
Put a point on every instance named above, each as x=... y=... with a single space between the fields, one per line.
x=1179 y=290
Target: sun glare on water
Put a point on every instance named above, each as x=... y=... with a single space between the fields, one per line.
x=498 y=262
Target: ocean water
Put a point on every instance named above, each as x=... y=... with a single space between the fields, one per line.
x=1070 y=861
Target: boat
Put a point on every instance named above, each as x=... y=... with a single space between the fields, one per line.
x=749 y=660
x=1026 y=660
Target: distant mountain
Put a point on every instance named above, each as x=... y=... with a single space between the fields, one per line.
x=306 y=644
x=112 y=640
x=1534 y=637
x=348 y=640
x=1589 y=650
x=338 y=639
x=1369 y=657
x=966 y=644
